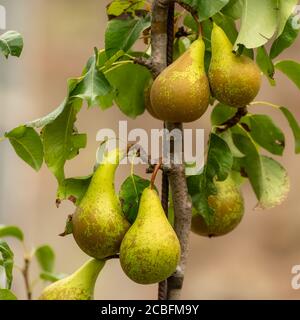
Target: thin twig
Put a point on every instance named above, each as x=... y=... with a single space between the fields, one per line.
x=25 y=272
x=241 y=112
x=146 y=62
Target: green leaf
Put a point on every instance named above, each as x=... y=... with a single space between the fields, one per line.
x=45 y=257
x=234 y=9
x=74 y=188
x=222 y=113
x=11 y=231
x=294 y=126
x=130 y=81
x=7 y=262
x=206 y=8
x=258 y=23
x=11 y=43
x=227 y=137
x=6 y=294
x=122 y=34
x=291 y=69
x=268 y=178
x=285 y=40
x=92 y=85
x=265 y=64
x=130 y=195
x=41 y=122
x=52 y=277
x=228 y=25
x=190 y=22
x=218 y=166
x=117 y=7
x=61 y=141
x=267 y=134
x=285 y=10
x=28 y=145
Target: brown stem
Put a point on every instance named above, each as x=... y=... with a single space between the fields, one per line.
x=241 y=112
x=146 y=62
x=25 y=273
x=163 y=285
x=176 y=174
x=154 y=174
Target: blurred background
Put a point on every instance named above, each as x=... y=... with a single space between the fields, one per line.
x=253 y=262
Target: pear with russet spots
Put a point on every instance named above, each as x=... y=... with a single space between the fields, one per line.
x=181 y=92
x=234 y=80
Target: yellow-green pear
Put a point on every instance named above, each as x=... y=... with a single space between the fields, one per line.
x=181 y=92
x=150 y=250
x=228 y=205
x=147 y=100
x=234 y=80
x=99 y=224
x=78 y=286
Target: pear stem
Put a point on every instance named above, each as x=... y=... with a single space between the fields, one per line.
x=154 y=174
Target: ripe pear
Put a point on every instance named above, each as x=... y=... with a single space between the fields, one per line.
x=78 y=286
x=234 y=80
x=98 y=223
x=150 y=250
x=181 y=92
x=228 y=205
x=148 y=102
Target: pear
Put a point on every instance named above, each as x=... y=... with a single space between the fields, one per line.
x=98 y=223
x=147 y=100
x=181 y=92
x=78 y=286
x=228 y=205
x=234 y=80
x=150 y=250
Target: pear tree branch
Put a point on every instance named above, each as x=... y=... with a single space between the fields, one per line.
x=176 y=172
x=241 y=112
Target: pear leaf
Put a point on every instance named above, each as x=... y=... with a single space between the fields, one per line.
x=7 y=262
x=291 y=69
x=129 y=81
x=206 y=8
x=45 y=257
x=52 y=277
x=73 y=189
x=41 y=122
x=268 y=178
x=27 y=145
x=6 y=294
x=286 y=39
x=234 y=9
x=130 y=195
x=258 y=23
x=11 y=231
x=222 y=113
x=61 y=141
x=286 y=8
x=11 y=43
x=267 y=134
x=265 y=64
x=92 y=85
x=218 y=167
x=294 y=126
x=122 y=34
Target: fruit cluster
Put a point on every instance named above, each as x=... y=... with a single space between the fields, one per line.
x=181 y=93
x=149 y=248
